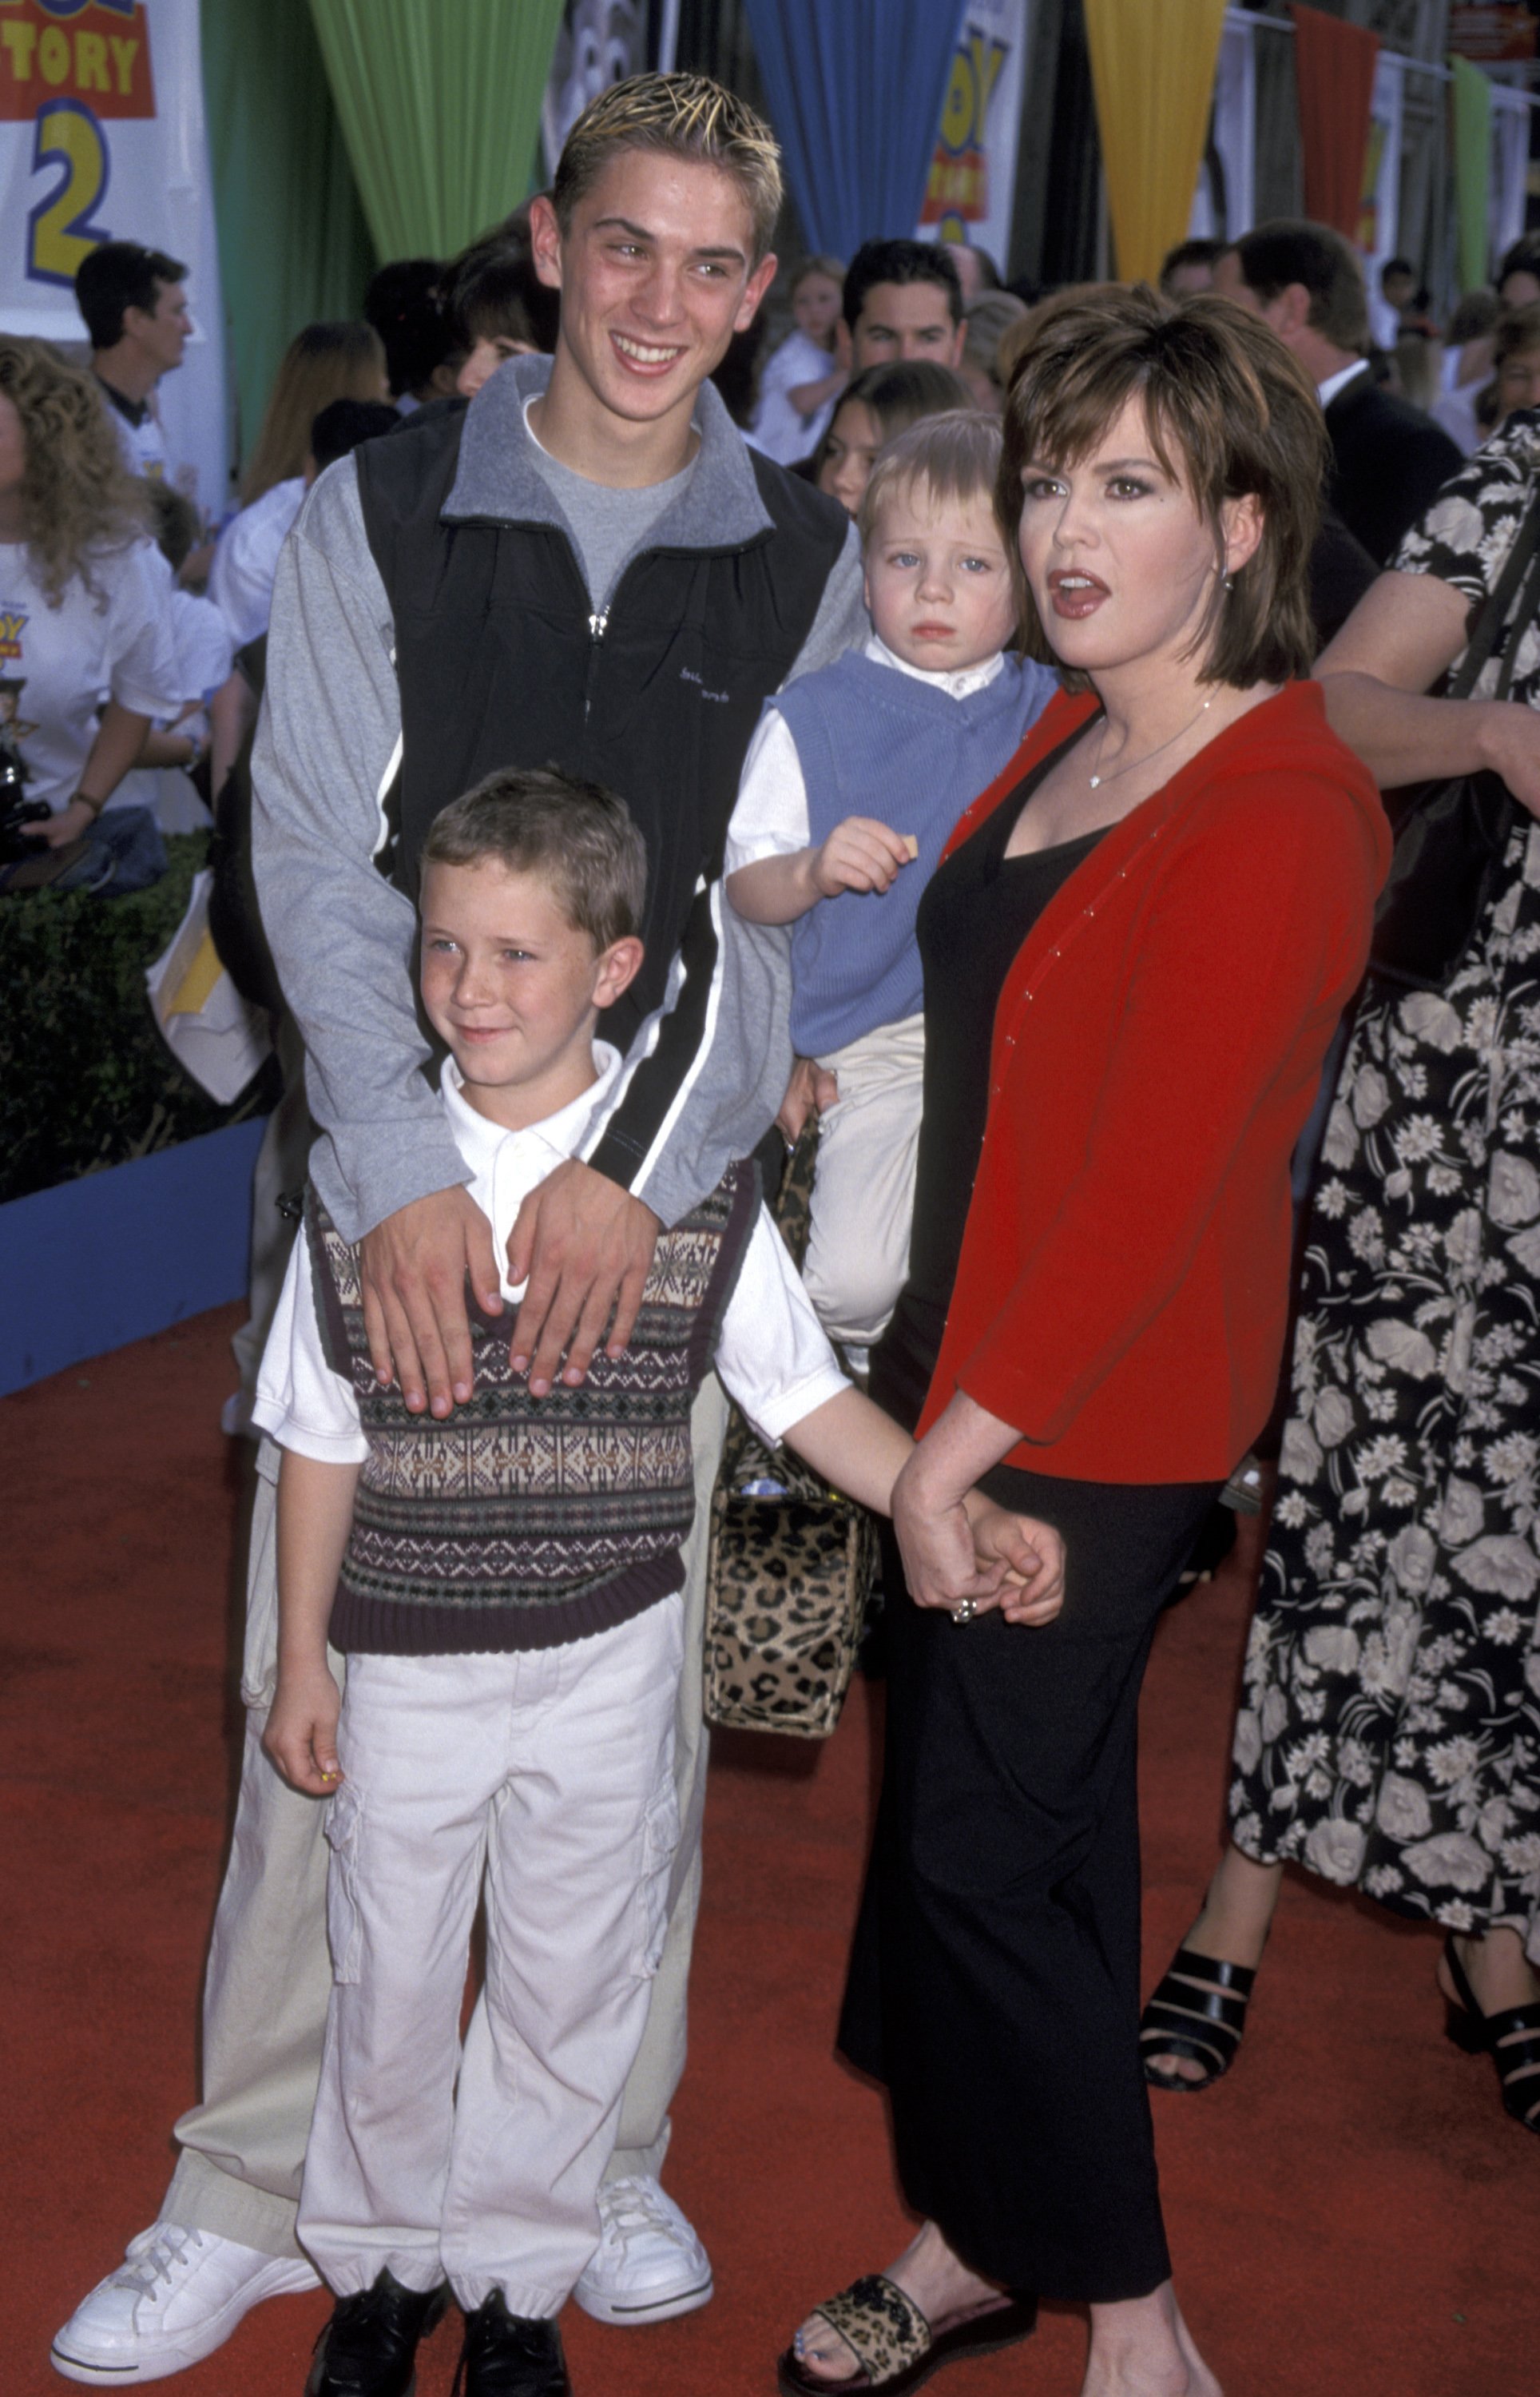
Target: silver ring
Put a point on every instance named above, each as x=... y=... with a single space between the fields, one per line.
x=964 y=1611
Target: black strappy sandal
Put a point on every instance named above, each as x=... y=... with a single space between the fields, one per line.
x=1197 y=2024
x=1511 y=2039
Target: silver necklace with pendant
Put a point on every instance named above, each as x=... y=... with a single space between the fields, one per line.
x=1098 y=778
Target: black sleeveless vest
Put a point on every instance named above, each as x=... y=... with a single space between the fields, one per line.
x=501 y=662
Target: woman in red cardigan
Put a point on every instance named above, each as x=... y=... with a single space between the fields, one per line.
x=1136 y=951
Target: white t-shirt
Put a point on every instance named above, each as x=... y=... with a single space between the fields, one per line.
x=777 y=428
x=771 y=1352
x=204 y=645
x=58 y=665
x=240 y=581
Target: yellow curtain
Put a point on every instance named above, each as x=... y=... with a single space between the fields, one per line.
x=1152 y=67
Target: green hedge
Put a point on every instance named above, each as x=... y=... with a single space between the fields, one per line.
x=85 y=1079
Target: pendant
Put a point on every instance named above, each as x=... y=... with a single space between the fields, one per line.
x=1095 y=782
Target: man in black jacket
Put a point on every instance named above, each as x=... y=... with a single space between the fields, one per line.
x=1390 y=460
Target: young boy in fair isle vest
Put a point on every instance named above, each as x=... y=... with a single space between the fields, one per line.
x=505 y=1586
x=849 y=793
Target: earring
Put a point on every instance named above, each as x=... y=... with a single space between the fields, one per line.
x=1230 y=581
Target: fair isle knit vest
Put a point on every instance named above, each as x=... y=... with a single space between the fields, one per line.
x=522 y=1522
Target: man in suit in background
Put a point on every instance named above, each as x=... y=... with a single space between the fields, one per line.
x=1390 y=460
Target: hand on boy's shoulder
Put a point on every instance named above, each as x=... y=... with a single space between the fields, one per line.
x=583 y=1245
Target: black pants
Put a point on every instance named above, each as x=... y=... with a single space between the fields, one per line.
x=994 y=1983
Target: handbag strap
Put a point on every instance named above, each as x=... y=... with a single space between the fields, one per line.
x=1497 y=608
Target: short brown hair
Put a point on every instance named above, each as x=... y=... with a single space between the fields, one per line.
x=1292 y=250
x=898 y=395
x=1229 y=412
x=1518 y=330
x=684 y=116
x=954 y=459
x=579 y=837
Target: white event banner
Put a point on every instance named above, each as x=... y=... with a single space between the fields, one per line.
x=1224 y=204
x=971 y=193
x=103 y=138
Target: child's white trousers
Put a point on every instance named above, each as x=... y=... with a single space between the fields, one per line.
x=863 y=1182
x=548 y=1775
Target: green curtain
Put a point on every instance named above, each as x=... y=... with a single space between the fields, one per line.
x=294 y=247
x=441 y=107
x=1472 y=170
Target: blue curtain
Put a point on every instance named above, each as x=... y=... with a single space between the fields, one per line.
x=854 y=88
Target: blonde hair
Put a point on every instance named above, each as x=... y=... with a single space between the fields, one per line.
x=819 y=263
x=989 y=323
x=322 y=363
x=953 y=459
x=684 y=116
x=78 y=498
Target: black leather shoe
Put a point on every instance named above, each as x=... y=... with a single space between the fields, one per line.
x=369 y=2347
x=505 y=2355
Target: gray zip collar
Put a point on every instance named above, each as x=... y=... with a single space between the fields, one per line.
x=497 y=477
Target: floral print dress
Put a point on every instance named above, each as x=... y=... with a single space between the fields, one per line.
x=1389 y=1730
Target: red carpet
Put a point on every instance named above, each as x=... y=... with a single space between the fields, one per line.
x=1351 y=2215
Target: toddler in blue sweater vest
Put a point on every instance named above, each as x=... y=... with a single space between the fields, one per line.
x=851 y=788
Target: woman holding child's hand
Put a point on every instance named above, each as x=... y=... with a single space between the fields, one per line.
x=1136 y=949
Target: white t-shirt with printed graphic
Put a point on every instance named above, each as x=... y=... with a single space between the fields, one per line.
x=59 y=665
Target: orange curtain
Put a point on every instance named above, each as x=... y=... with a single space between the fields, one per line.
x=1335 y=77
x=1153 y=72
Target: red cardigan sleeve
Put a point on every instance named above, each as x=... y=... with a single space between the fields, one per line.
x=1255 y=917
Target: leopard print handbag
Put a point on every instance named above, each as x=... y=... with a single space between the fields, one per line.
x=791 y=1562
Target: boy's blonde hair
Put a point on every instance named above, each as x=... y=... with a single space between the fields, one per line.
x=954 y=458
x=684 y=116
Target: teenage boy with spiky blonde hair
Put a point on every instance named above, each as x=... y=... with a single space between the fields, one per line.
x=586 y=567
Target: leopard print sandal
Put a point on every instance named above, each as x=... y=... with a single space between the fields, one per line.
x=893 y=2343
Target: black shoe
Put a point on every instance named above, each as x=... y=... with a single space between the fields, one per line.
x=505 y=2355
x=1511 y=2038
x=369 y=2347
x=1197 y=2011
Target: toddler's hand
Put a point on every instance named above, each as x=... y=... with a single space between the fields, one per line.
x=860 y=854
x=1031 y=1590
x=302 y=1732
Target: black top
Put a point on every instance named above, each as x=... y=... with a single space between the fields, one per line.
x=977 y=913
x=500 y=660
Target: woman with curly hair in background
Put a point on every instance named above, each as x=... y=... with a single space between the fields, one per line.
x=83 y=595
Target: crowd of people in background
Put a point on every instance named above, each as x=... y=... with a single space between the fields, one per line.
x=815 y=400
x=843 y=524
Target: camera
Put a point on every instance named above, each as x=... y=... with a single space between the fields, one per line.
x=16 y=809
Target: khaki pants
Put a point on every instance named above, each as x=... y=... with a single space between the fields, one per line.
x=269 y=1977
x=281 y=1165
x=863 y=1182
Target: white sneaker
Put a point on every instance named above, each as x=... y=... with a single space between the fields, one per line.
x=648 y=2265
x=176 y=2297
